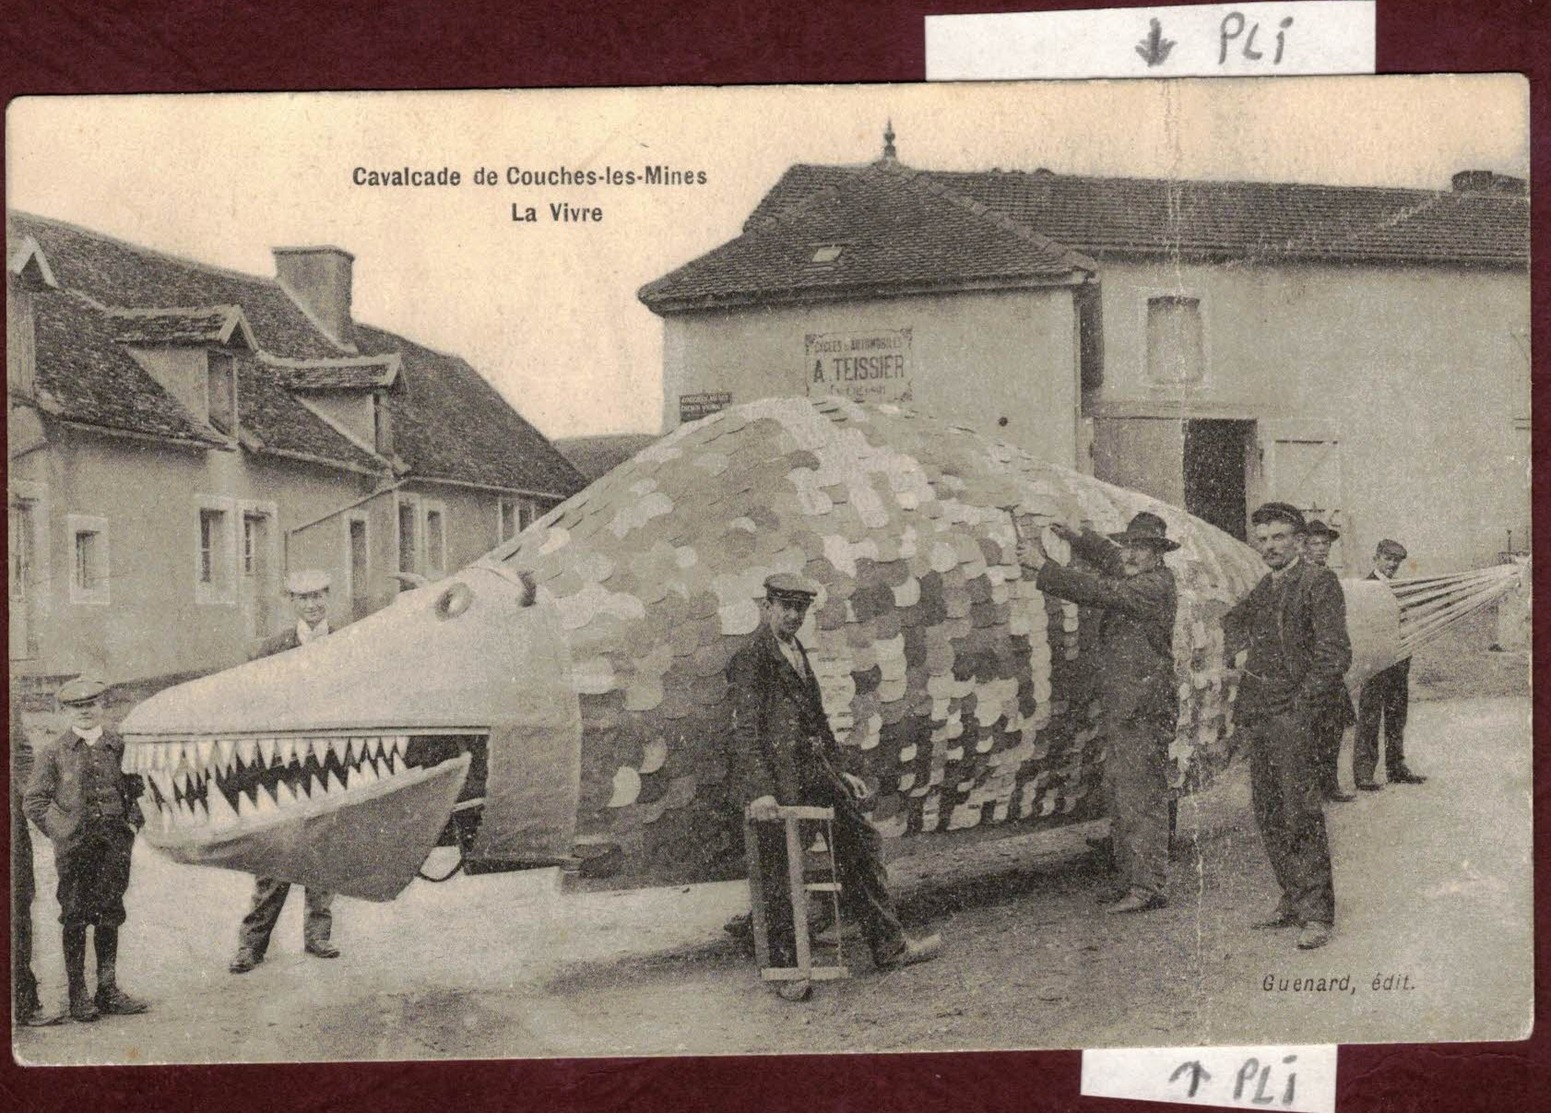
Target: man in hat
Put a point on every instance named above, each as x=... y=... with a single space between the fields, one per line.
x=1384 y=699
x=1136 y=687
x=308 y=590
x=1339 y=712
x=79 y=795
x=1293 y=626
x=784 y=753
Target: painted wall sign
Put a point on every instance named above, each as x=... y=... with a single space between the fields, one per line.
x=697 y=405
x=870 y=367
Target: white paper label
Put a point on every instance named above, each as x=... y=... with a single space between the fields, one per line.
x=1301 y=1079
x=1208 y=40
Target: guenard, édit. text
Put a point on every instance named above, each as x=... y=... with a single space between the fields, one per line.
x=1329 y=983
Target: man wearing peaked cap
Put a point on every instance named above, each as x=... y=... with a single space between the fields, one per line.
x=1136 y=686
x=1331 y=723
x=308 y=590
x=784 y=753
x=1292 y=626
x=79 y=795
x=1385 y=699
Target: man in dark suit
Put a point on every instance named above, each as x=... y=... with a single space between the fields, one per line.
x=1339 y=712
x=1136 y=684
x=1384 y=699
x=309 y=590
x=1293 y=625
x=79 y=795
x=784 y=753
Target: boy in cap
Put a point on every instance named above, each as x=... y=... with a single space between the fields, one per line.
x=1136 y=684
x=1293 y=624
x=309 y=592
x=81 y=798
x=1339 y=713
x=784 y=753
x=1384 y=700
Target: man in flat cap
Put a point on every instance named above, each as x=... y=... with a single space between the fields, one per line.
x=309 y=593
x=79 y=795
x=1339 y=713
x=27 y=1007
x=1136 y=687
x=784 y=753
x=1293 y=625
x=1384 y=700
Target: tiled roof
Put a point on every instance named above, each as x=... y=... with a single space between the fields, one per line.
x=595 y=455
x=197 y=326
x=273 y=415
x=84 y=375
x=356 y=374
x=449 y=423
x=1225 y=220
x=118 y=274
x=896 y=231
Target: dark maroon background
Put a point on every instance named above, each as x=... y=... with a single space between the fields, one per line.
x=184 y=45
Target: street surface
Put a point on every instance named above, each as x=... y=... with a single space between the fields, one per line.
x=1432 y=885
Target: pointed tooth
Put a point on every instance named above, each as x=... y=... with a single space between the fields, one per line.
x=202 y=814
x=247 y=750
x=284 y=796
x=266 y=747
x=203 y=751
x=224 y=751
x=288 y=749
x=400 y=746
x=180 y=780
x=320 y=750
x=304 y=790
x=389 y=765
x=357 y=750
x=266 y=801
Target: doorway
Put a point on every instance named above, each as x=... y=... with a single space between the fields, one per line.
x=1216 y=468
x=21 y=533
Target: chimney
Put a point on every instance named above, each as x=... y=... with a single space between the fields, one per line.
x=318 y=280
x=1488 y=182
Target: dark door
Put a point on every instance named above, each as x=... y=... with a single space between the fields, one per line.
x=1216 y=465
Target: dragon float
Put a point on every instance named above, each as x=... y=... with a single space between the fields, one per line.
x=562 y=700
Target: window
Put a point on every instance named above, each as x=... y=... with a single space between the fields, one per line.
x=382 y=424
x=1176 y=352
x=216 y=560
x=435 y=540
x=89 y=560
x=409 y=549
x=516 y=513
x=358 y=566
x=221 y=387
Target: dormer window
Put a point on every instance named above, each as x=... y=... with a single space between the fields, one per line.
x=221 y=391
x=382 y=424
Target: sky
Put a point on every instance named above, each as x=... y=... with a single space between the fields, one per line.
x=547 y=310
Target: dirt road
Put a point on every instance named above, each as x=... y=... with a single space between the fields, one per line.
x=1432 y=882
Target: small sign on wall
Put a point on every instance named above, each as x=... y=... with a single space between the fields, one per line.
x=869 y=367
x=697 y=405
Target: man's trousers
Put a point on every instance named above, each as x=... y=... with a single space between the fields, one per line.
x=1385 y=698
x=1285 y=788
x=1136 y=785
x=858 y=863
x=268 y=898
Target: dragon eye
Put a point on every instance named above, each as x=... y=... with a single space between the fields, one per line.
x=454 y=601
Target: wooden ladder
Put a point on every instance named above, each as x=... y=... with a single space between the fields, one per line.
x=799 y=861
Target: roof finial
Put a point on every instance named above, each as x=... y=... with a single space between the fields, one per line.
x=888 y=141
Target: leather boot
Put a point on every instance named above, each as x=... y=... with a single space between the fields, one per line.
x=81 y=1007
x=111 y=1000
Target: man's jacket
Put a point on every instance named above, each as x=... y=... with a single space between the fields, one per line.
x=780 y=739
x=74 y=782
x=1136 y=634
x=1306 y=650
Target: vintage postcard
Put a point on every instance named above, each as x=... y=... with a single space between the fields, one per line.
x=1065 y=543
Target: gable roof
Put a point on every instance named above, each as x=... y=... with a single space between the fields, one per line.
x=596 y=454
x=1262 y=221
x=883 y=229
x=449 y=424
